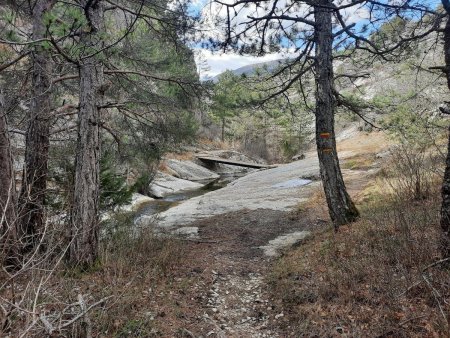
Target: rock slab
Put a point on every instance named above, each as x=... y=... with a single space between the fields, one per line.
x=253 y=191
x=273 y=248
x=163 y=185
x=191 y=171
x=136 y=202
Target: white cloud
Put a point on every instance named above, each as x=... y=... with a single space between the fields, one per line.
x=354 y=14
x=214 y=21
x=211 y=64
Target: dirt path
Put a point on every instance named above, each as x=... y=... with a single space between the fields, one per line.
x=232 y=298
x=235 y=299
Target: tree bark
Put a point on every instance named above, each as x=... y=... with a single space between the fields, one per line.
x=84 y=213
x=341 y=208
x=445 y=208
x=8 y=196
x=34 y=181
x=223 y=129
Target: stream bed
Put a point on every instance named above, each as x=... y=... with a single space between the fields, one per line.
x=159 y=205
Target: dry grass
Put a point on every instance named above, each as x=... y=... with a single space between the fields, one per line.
x=140 y=272
x=316 y=202
x=368 y=280
x=144 y=276
x=359 y=162
x=372 y=278
x=365 y=143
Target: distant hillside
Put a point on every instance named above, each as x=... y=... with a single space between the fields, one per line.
x=251 y=69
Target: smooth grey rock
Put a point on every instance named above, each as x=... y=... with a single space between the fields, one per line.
x=191 y=171
x=145 y=220
x=190 y=232
x=253 y=191
x=298 y=157
x=171 y=172
x=163 y=185
x=136 y=201
x=273 y=248
x=294 y=183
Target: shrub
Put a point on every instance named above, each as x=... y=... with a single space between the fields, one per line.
x=412 y=171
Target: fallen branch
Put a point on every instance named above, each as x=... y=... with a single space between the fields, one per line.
x=87 y=320
x=83 y=313
x=48 y=326
x=50 y=329
x=411 y=319
x=410 y=288
x=436 y=295
x=10 y=63
x=441 y=261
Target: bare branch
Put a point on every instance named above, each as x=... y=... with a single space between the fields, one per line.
x=13 y=61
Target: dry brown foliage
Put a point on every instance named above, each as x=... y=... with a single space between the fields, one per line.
x=372 y=278
x=125 y=294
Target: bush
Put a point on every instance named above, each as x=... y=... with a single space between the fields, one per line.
x=124 y=242
x=412 y=171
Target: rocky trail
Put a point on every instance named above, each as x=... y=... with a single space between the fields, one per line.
x=235 y=298
x=234 y=235
x=236 y=252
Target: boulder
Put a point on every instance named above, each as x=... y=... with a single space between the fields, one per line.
x=191 y=171
x=163 y=185
x=275 y=246
x=136 y=202
x=298 y=157
x=189 y=232
x=384 y=154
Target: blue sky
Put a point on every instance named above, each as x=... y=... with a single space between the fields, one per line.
x=211 y=64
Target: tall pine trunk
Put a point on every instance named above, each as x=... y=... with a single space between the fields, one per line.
x=34 y=181
x=341 y=208
x=445 y=208
x=84 y=213
x=8 y=196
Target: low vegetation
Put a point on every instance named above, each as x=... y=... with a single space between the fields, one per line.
x=125 y=291
x=379 y=277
